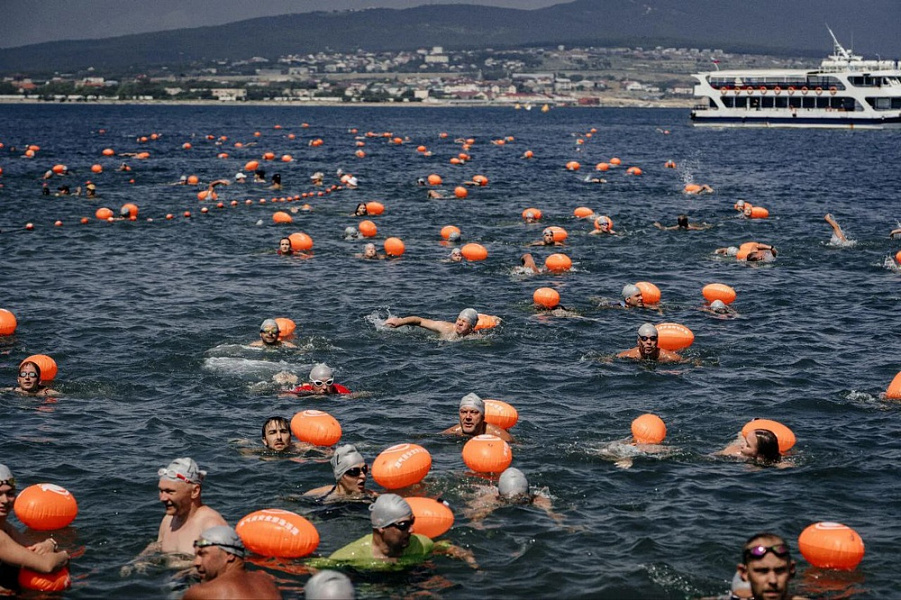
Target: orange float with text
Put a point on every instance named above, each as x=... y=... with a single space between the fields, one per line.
x=277 y=533
x=674 y=336
x=401 y=466
x=433 y=518
x=500 y=413
x=45 y=507
x=650 y=293
x=487 y=454
x=316 y=427
x=831 y=546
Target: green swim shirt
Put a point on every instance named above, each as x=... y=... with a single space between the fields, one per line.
x=359 y=554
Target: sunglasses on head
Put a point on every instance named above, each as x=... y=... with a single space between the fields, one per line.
x=319 y=383
x=780 y=550
x=355 y=472
x=403 y=525
x=645 y=338
x=25 y=374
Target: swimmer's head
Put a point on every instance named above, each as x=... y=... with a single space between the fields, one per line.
x=224 y=537
x=647 y=330
x=739 y=204
x=269 y=331
x=632 y=296
x=6 y=477
x=731 y=251
x=389 y=509
x=125 y=211
x=240 y=176
x=466 y=321
x=183 y=178
x=718 y=306
x=369 y=250
x=321 y=376
x=453 y=236
x=630 y=290
x=472 y=401
x=182 y=469
x=346 y=457
x=351 y=232
x=512 y=483
x=329 y=585
x=456 y=255
x=276 y=434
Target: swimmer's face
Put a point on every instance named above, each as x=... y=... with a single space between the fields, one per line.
x=354 y=480
x=749 y=445
x=470 y=420
x=269 y=335
x=177 y=496
x=284 y=245
x=7 y=497
x=361 y=210
x=276 y=437
x=456 y=256
x=647 y=344
x=210 y=562
x=397 y=535
x=635 y=300
x=548 y=238
x=322 y=386
x=747 y=210
x=462 y=326
x=769 y=575
x=28 y=378
x=369 y=251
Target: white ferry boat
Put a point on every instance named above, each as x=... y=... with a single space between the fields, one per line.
x=844 y=92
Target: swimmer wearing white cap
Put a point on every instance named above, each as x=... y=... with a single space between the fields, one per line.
x=219 y=560
x=42 y=557
x=547 y=239
x=463 y=326
x=632 y=297
x=472 y=420
x=350 y=470
x=321 y=383
x=646 y=347
x=370 y=252
x=512 y=489
x=269 y=332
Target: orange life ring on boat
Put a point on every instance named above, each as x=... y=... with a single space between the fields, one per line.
x=818 y=90
x=804 y=90
x=737 y=91
x=724 y=90
x=749 y=90
x=791 y=90
x=832 y=90
x=763 y=89
x=777 y=90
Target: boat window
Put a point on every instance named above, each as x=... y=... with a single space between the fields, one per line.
x=781 y=102
x=884 y=103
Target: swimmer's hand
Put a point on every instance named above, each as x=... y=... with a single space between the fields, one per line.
x=392 y=322
x=285 y=378
x=139 y=567
x=45 y=547
x=462 y=554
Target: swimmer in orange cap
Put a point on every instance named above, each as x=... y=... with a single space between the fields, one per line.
x=463 y=326
x=472 y=420
x=646 y=348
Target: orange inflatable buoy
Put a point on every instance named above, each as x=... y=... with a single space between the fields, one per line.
x=650 y=293
x=433 y=518
x=252 y=165
x=532 y=213
x=546 y=297
x=300 y=241
x=474 y=252
x=784 y=435
x=615 y=161
x=634 y=171
x=282 y=217
x=45 y=507
x=434 y=179
x=46 y=364
x=108 y=152
x=673 y=336
x=498 y=412
x=129 y=209
x=718 y=291
x=193 y=180
x=316 y=427
x=448 y=230
x=59 y=169
x=831 y=546
x=278 y=533
x=602 y=166
x=481 y=180
x=461 y=192
x=583 y=212
x=560 y=234
x=573 y=166
x=759 y=212
x=394 y=246
x=374 y=208
x=486 y=322
x=45 y=582
x=401 y=466
x=487 y=454
x=367 y=228
x=96 y=168
x=286 y=327
x=648 y=429
x=558 y=263
x=893 y=392
x=103 y=213
x=8 y=322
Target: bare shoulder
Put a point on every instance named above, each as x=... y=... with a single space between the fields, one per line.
x=630 y=353
x=207 y=517
x=455 y=430
x=670 y=357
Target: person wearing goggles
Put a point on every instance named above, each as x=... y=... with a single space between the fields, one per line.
x=646 y=347
x=350 y=471
x=28 y=381
x=219 y=560
x=767 y=567
x=321 y=383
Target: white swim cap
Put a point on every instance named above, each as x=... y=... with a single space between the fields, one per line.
x=224 y=537
x=647 y=329
x=240 y=176
x=630 y=290
x=346 y=457
x=472 y=401
x=731 y=251
x=388 y=509
x=512 y=482
x=329 y=585
x=454 y=236
x=182 y=469
x=6 y=476
x=470 y=314
x=320 y=372
x=269 y=324
x=718 y=305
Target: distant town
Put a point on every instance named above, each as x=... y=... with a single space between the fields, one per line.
x=559 y=76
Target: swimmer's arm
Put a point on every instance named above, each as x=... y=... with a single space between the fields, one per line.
x=14 y=553
x=630 y=353
x=894 y=232
x=455 y=430
x=437 y=326
x=448 y=549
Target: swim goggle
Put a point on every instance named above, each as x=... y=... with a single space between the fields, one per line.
x=403 y=525
x=24 y=374
x=780 y=550
x=645 y=338
x=355 y=472
x=269 y=331
x=319 y=383
x=230 y=548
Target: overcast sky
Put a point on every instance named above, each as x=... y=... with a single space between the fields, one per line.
x=25 y=22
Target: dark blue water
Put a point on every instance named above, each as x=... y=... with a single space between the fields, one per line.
x=147 y=321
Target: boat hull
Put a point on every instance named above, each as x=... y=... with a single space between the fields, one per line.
x=799 y=122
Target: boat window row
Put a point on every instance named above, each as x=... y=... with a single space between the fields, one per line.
x=884 y=103
x=770 y=83
x=797 y=102
x=872 y=81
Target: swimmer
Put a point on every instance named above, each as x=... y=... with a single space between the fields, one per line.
x=91 y=190
x=317 y=177
x=28 y=381
x=838 y=236
x=590 y=179
x=701 y=189
x=370 y=252
x=259 y=176
x=43 y=557
x=321 y=383
x=361 y=210
x=527 y=261
x=276 y=182
x=730 y=251
x=767 y=567
x=219 y=560
x=512 y=490
x=456 y=255
x=284 y=247
x=462 y=327
x=632 y=297
x=186 y=515
x=646 y=348
x=750 y=252
x=329 y=585
x=547 y=239
x=436 y=194
x=351 y=233
x=269 y=336
x=720 y=309
x=349 y=469
x=602 y=225
x=276 y=434
x=392 y=540
x=683 y=224
x=472 y=420
x=240 y=178
x=760 y=446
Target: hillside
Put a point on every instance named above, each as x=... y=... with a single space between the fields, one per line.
x=763 y=26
